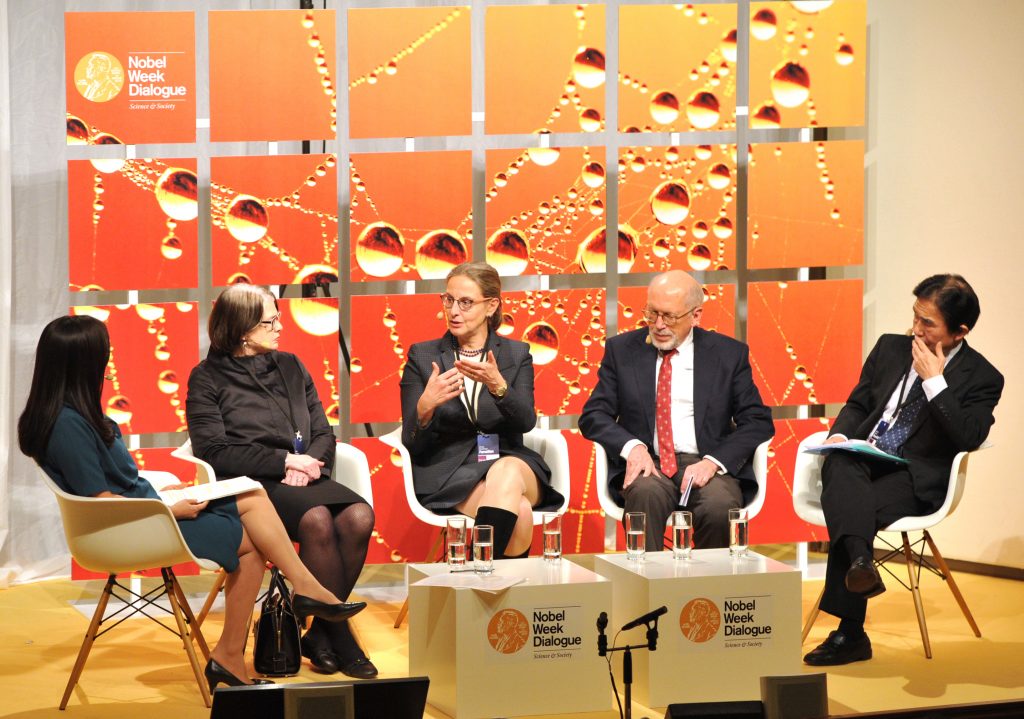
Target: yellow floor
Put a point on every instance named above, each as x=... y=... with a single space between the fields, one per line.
x=139 y=668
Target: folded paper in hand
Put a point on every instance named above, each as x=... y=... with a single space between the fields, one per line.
x=857 y=446
x=211 y=490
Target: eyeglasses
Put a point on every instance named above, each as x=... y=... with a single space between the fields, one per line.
x=669 y=320
x=275 y=320
x=465 y=304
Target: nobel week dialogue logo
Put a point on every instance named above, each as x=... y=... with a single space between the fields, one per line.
x=548 y=632
x=743 y=621
x=100 y=76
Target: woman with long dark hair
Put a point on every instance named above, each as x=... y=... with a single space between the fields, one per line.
x=253 y=410
x=467 y=400
x=64 y=430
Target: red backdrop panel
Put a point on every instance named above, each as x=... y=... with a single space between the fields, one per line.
x=137 y=214
x=677 y=67
x=806 y=205
x=777 y=522
x=545 y=69
x=545 y=210
x=288 y=93
x=274 y=219
x=311 y=332
x=153 y=347
x=807 y=64
x=131 y=77
x=805 y=339
x=409 y=72
x=677 y=208
x=719 y=309
x=412 y=214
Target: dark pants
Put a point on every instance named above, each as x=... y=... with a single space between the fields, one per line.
x=859 y=497
x=658 y=497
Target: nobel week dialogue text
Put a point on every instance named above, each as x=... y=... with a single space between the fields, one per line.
x=146 y=77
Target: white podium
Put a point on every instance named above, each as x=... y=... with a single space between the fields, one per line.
x=530 y=649
x=730 y=621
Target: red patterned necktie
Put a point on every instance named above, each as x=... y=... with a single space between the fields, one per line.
x=663 y=415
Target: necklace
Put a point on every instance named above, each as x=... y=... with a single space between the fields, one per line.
x=465 y=352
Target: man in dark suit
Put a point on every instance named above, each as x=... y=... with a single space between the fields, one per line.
x=676 y=406
x=924 y=397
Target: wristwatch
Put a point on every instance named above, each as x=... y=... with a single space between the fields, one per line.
x=500 y=392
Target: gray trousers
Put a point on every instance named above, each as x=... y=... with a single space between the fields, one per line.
x=658 y=497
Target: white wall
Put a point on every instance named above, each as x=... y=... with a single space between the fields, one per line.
x=945 y=147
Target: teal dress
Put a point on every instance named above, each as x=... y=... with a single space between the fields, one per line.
x=81 y=464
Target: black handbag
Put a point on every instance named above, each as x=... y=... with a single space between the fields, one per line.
x=276 y=652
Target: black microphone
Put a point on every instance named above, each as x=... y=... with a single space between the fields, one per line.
x=602 y=640
x=650 y=616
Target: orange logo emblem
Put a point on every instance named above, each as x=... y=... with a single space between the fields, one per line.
x=699 y=620
x=99 y=76
x=508 y=631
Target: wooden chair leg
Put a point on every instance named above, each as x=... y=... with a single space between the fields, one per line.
x=173 y=591
x=405 y=605
x=916 y=591
x=90 y=637
x=190 y=618
x=218 y=584
x=811 y=616
x=951 y=583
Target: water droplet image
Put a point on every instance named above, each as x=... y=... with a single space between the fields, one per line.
x=167 y=382
x=246 y=219
x=314 y=317
x=791 y=84
x=699 y=257
x=763 y=25
x=664 y=108
x=379 y=250
x=119 y=409
x=177 y=192
x=670 y=202
x=593 y=175
x=766 y=117
x=543 y=341
x=438 y=252
x=588 y=67
x=592 y=251
x=508 y=252
x=702 y=110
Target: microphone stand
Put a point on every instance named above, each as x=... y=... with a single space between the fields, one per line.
x=627 y=658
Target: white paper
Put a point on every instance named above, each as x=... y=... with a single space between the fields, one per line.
x=211 y=490
x=490 y=583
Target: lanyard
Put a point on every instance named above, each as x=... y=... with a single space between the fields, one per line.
x=473 y=400
x=902 y=397
x=298 y=444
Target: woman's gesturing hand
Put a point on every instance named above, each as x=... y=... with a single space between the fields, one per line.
x=441 y=387
x=485 y=372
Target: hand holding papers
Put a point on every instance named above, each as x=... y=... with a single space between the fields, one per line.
x=857 y=446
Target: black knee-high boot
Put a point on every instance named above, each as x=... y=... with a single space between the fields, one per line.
x=504 y=523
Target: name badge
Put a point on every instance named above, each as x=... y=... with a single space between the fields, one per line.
x=298 y=444
x=486 y=447
x=879 y=431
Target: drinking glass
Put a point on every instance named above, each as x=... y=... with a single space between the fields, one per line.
x=552 y=523
x=455 y=539
x=682 y=534
x=483 y=548
x=636 y=531
x=739 y=532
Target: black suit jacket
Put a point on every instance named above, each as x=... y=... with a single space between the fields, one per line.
x=438 y=449
x=957 y=419
x=729 y=417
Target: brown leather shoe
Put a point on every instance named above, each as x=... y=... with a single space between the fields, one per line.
x=839 y=649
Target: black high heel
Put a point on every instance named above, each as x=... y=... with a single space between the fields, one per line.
x=304 y=606
x=215 y=674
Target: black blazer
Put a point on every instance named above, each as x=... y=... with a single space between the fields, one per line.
x=729 y=417
x=957 y=419
x=438 y=449
x=238 y=429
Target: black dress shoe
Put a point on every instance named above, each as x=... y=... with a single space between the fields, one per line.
x=216 y=674
x=839 y=649
x=304 y=606
x=361 y=668
x=862 y=578
x=322 y=658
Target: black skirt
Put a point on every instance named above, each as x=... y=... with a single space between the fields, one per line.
x=292 y=503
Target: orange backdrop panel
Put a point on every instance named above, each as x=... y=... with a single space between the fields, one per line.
x=272 y=75
x=806 y=205
x=311 y=332
x=677 y=67
x=130 y=77
x=412 y=214
x=153 y=347
x=807 y=65
x=131 y=224
x=545 y=210
x=777 y=522
x=805 y=339
x=676 y=206
x=409 y=72
x=719 y=309
x=397 y=535
x=544 y=69
x=274 y=219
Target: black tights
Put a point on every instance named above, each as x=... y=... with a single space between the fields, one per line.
x=333 y=547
